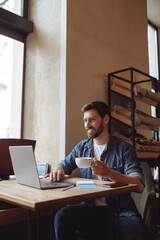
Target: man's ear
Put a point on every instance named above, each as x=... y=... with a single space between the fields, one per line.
x=106 y=119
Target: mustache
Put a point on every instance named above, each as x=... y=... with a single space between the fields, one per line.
x=90 y=128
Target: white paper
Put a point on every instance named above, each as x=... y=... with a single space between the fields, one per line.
x=85 y=182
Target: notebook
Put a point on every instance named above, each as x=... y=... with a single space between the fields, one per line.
x=26 y=172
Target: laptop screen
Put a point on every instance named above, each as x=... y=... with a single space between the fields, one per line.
x=24 y=165
x=6 y=167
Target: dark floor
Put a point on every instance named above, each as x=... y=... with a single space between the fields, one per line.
x=157 y=237
x=19 y=231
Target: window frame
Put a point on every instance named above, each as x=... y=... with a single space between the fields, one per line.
x=17 y=27
x=14 y=26
x=157 y=87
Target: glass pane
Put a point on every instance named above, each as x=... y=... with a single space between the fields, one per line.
x=6 y=52
x=153 y=70
x=11 y=66
x=153 y=57
x=11 y=5
x=153 y=52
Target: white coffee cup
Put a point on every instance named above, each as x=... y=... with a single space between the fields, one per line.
x=83 y=162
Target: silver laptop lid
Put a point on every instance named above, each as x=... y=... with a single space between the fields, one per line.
x=24 y=165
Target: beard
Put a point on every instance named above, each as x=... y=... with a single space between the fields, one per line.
x=95 y=132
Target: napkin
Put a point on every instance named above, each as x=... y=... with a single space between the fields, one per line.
x=86 y=185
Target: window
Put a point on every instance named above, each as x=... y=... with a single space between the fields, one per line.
x=13 y=31
x=11 y=75
x=153 y=70
x=13 y=6
x=153 y=57
x=153 y=51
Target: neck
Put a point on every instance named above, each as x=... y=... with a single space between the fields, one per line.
x=102 y=138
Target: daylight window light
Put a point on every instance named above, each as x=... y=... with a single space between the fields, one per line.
x=2 y=86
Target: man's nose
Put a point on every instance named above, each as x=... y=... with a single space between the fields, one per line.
x=87 y=125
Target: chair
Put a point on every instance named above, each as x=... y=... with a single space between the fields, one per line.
x=6 y=168
x=146 y=202
x=10 y=214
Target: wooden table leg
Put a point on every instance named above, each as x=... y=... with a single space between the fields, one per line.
x=29 y=225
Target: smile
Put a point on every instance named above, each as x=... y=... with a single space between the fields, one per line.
x=90 y=129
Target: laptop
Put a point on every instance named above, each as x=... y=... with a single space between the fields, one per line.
x=26 y=172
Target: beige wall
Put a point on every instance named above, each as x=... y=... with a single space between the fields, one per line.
x=42 y=83
x=102 y=36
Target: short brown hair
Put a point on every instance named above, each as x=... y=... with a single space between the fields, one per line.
x=101 y=107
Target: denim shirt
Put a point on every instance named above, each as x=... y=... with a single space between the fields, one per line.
x=119 y=156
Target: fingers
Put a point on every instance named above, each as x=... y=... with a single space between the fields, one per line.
x=57 y=175
x=97 y=167
x=95 y=159
x=66 y=176
x=47 y=175
x=96 y=163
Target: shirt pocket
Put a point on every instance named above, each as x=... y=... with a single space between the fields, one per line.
x=117 y=165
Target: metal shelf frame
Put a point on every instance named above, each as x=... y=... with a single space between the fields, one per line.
x=153 y=162
x=131 y=71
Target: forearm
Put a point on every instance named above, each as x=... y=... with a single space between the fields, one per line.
x=119 y=177
x=100 y=169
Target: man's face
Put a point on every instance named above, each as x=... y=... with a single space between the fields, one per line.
x=93 y=123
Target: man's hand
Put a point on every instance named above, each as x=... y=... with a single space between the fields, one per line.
x=99 y=168
x=57 y=174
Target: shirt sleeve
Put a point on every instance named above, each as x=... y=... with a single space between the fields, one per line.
x=131 y=163
x=139 y=175
x=68 y=164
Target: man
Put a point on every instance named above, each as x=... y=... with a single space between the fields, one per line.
x=114 y=160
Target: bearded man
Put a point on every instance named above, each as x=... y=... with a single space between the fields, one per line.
x=114 y=160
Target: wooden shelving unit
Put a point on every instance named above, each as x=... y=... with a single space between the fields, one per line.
x=125 y=91
x=128 y=122
x=124 y=86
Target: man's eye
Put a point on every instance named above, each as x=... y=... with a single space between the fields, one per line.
x=89 y=120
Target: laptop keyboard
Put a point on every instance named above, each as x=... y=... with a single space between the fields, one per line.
x=47 y=183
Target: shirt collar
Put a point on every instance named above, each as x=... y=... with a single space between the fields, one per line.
x=89 y=143
x=110 y=144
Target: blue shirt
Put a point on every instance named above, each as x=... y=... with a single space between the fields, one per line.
x=119 y=156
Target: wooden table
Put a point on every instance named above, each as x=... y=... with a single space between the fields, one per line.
x=35 y=199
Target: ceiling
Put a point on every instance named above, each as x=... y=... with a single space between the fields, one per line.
x=153 y=11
